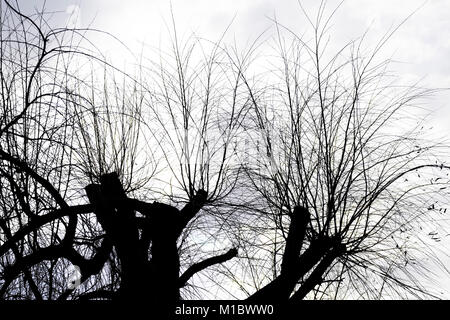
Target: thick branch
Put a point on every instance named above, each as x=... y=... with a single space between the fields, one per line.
x=42 y=181
x=315 y=277
x=18 y=193
x=89 y=267
x=70 y=230
x=39 y=221
x=191 y=209
x=11 y=272
x=197 y=267
x=17 y=254
x=282 y=286
x=297 y=229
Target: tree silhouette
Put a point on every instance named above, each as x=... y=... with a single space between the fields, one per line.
x=139 y=183
x=343 y=178
x=69 y=153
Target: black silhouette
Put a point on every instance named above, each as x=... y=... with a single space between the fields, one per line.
x=324 y=202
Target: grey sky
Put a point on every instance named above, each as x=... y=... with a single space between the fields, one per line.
x=421 y=45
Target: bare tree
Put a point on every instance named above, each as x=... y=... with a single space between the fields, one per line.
x=71 y=161
x=136 y=184
x=345 y=175
x=35 y=151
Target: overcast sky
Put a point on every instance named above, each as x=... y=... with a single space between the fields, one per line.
x=421 y=46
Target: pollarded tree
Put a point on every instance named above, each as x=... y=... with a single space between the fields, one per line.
x=345 y=176
x=137 y=182
x=71 y=158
